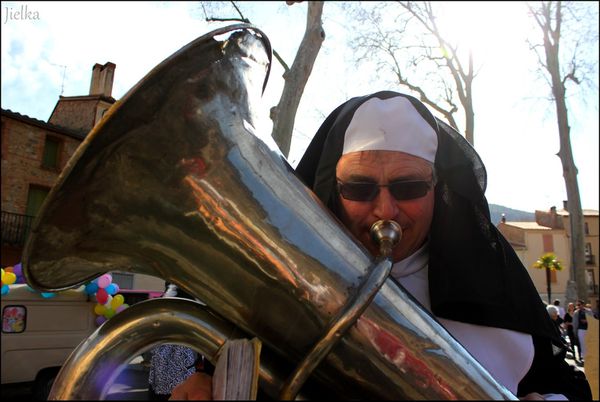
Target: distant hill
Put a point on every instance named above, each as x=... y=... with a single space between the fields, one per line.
x=496 y=212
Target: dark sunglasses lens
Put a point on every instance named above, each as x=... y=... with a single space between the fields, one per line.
x=408 y=190
x=358 y=191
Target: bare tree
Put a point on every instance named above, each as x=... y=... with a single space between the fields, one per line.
x=296 y=76
x=412 y=47
x=284 y=114
x=551 y=18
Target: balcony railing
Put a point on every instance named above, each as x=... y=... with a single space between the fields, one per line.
x=15 y=228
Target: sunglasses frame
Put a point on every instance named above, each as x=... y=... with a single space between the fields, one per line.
x=374 y=193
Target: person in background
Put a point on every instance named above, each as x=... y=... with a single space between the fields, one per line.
x=561 y=310
x=568 y=323
x=592 y=357
x=580 y=326
x=555 y=317
x=170 y=364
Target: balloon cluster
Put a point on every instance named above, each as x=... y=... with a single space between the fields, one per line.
x=45 y=295
x=14 y=275
x=10 y=276
x=109 y=302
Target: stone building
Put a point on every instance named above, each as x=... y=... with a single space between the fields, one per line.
x=33 y=155
x=35 y=152
x=551 y=233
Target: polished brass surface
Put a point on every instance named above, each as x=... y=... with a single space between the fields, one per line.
x=386 y=234
x=92 y=368
x=338 y=327
x=181 y=181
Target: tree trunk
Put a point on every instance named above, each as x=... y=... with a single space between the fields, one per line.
x=548 y=285
x=577 y=272
x=468 y=105
x=283 y=115
x=469 y=117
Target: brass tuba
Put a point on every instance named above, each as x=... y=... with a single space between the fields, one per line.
x=181 y=181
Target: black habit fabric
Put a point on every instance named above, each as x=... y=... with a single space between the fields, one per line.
x=474 y=274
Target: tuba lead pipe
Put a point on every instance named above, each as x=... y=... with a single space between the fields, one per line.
x=385 y=233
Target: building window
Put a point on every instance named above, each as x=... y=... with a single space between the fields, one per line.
x=124 y=280
x=35 y=199
x=589 y=257
x=50 y=159
x=586 y=228
x=591 y=282
x=548 y=243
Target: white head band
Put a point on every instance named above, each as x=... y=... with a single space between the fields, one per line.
x=390 y=125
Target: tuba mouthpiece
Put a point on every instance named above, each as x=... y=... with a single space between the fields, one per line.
x=386 y=234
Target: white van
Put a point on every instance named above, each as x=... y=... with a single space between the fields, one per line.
x=38 y=334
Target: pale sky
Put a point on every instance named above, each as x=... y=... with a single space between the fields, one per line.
x=516 y=133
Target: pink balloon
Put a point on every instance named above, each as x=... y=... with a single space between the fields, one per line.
x=104 y=281
x=121 y=308
x=101 y=296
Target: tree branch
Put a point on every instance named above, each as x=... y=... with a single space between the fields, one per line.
x=286 y=68
x=238 y=10
x=572 y=77
x=449 y=55
x=242 y=18
x=212 y=19
x=284 y=113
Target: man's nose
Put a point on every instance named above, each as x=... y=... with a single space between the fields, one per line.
x=386 y=206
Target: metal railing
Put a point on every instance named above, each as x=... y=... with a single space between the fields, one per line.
x=15 y=228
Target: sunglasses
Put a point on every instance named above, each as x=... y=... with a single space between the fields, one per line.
x=401 y=190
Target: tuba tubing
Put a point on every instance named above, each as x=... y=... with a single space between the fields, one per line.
x=181 y=181
x=94 y=365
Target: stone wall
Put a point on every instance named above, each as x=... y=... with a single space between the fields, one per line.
x=22 y=153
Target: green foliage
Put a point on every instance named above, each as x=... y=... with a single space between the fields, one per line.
x=548 y=261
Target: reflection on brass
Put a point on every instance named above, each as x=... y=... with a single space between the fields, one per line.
x=182 y=181
x=386 y=234
x=91 y=369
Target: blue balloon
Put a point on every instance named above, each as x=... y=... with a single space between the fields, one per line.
x=5 y=289
x=111 y=289
x=91 y=288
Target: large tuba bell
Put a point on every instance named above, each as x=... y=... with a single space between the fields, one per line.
x=179 y=181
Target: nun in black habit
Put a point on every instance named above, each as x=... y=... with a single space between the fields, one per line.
x=465 y=273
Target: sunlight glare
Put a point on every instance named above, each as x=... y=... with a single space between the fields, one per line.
x=486 y=28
